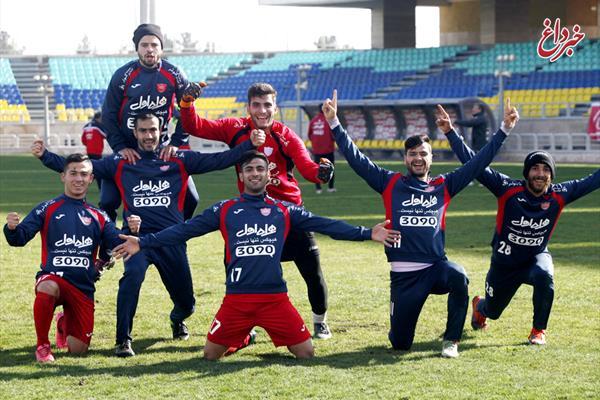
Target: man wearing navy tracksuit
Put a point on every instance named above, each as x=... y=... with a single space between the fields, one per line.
x=255 y=228
x=416 y=204
x=155 y=190
x=71 y=231
x=528 y=211
x=147 y=85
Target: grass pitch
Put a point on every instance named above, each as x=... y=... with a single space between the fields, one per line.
x=358 y=362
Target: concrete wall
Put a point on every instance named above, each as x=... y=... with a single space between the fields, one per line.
x=459 y=23
x=393 y=25
x=496 y=21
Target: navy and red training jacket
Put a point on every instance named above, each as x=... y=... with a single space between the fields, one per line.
x=135 y=89
x=254 y=229
x=524 y=222
x=71 y=231
x=415 y=208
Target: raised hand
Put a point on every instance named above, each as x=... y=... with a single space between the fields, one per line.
x=330 y=107
x=12 y=220
x=258 y=137
x=38 y=148
x=128 y=248
x=386 y=236
x=511 y=115
x=443 y=120
x=192 y=91
x=325 y=170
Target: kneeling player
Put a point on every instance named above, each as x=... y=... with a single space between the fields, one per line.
x=254 y=227
x=72 y=230
x=528 y=211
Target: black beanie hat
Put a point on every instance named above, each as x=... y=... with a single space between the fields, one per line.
x=147 y=29
x=536 y=157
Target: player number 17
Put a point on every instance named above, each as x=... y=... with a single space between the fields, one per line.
x=235 y=274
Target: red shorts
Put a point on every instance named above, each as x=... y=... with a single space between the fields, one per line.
x=78 y=308
x=239 y=313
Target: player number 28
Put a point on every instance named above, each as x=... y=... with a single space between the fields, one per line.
x=504 y=248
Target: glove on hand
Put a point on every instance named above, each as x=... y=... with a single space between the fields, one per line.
x=192 y=91
x=325 y=170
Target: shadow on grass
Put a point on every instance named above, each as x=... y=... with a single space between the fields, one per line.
x=369 y=355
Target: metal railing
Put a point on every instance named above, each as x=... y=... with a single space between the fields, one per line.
x=557 y=109
x=553 y=142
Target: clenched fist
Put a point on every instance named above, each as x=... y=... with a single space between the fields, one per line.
x=12 y=220
x=325 y=170
x=258 y=137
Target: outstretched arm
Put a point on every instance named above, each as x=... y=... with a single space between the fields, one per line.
x=199 y=163
x=490 y=178
x=461 y=177
x=200 y=225
x=573 y=190
x=304 y=220
x=102 y=168
x=375 y=176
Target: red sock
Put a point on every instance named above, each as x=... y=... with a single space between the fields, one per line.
x=43 y=311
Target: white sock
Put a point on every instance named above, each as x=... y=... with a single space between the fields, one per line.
x=318 y=318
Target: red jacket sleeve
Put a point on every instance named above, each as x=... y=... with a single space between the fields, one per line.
x=300 y=155
x=203 y=128
x=83 y=139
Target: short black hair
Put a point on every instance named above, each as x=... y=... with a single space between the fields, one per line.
x=251 y=155
x=260 y=89
x=415 y=141
x=76 y=158
x=144 y=117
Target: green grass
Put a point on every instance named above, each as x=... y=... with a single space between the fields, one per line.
x=358 y=361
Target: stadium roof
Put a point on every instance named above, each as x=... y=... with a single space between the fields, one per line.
x=345 y=3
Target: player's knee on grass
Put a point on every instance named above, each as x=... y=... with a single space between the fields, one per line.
x=48 y=287
x=213 y=351
x=76 y=346
x=403 y=344
x=492 y=309
x=303 y=350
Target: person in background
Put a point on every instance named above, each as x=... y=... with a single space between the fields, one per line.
x=323 y=144
x=93 y=139
x=479 y=125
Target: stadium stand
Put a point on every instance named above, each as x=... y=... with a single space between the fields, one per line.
x=400 y=81
x=12 y=108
